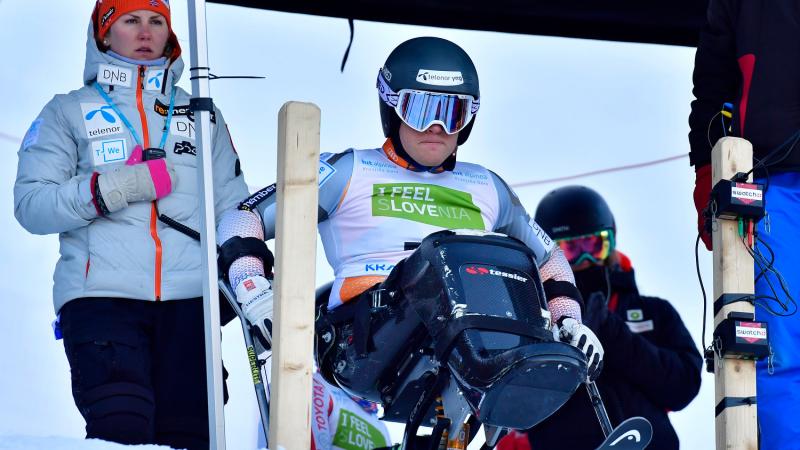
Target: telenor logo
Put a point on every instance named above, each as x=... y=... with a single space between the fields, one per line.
x=106 y=115
x=440 y=77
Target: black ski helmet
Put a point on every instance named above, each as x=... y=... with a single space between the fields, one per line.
x=408 y=67
x=574 y=211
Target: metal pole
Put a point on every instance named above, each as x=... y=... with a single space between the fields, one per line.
x=255 y=363
x=599 y=408
x=202 y=107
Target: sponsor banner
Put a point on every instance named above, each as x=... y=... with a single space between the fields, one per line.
x=110 y=151
x=427 y=203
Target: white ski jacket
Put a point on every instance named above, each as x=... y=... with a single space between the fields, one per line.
x=129 y=253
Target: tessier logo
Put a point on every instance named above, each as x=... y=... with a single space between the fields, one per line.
x=249 y=285
x=478 y=270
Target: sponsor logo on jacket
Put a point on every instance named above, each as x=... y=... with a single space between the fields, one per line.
x=100 y=120
x=185 y=147
x=109 y=151
x=154 y=79
x=257 y=198
x=178 y=111
x=114 y=75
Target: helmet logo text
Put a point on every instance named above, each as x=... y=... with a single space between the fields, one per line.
x=440 y=77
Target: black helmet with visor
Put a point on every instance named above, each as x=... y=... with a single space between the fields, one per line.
x=427 y=81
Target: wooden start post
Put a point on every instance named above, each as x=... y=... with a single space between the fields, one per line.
x=735 y=377
x=295 y=264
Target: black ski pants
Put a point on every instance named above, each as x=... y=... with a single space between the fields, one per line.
x=138 y=370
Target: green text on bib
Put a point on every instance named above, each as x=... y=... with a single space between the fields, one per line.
x=426 y=203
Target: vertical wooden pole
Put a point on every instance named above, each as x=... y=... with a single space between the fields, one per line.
x=295 y=263
x=736 y=426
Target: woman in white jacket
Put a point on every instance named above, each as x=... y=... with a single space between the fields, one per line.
x=101 y=166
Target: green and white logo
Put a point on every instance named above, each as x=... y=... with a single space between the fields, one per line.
x=427 y=203
x=635 y=314
x=355 y=433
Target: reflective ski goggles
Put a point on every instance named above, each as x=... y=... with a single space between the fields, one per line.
x=594 y=247
x=422 y=109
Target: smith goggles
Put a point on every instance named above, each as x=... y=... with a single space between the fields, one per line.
x=593 y=247
x=421 y=109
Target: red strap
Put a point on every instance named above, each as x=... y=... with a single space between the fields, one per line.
x=612 y=303
x=746 y=65
x=92 y=186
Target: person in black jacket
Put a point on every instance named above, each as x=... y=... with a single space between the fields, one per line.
x=748 y=57
x=651 y=365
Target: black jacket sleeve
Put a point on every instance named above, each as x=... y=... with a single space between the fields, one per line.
x=716 y=77
x=663 y=364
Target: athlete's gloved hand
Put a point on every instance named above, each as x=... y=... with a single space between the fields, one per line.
x=136 y=181
x=255 y=295
x=575 y=333
x=702 y=193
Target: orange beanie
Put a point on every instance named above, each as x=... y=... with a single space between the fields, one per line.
x=106 y=12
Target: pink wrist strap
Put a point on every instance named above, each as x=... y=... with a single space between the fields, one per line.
x=136 y=156
x=160 y=176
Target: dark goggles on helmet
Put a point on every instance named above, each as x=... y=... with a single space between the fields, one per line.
x=422 y=109
x=593 y=247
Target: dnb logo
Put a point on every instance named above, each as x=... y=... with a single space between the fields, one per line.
x=100 y=120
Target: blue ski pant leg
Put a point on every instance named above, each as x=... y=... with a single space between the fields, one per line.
x=778 y=379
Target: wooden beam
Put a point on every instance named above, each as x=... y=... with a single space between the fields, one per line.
x=295 y=263
x=736 y=426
